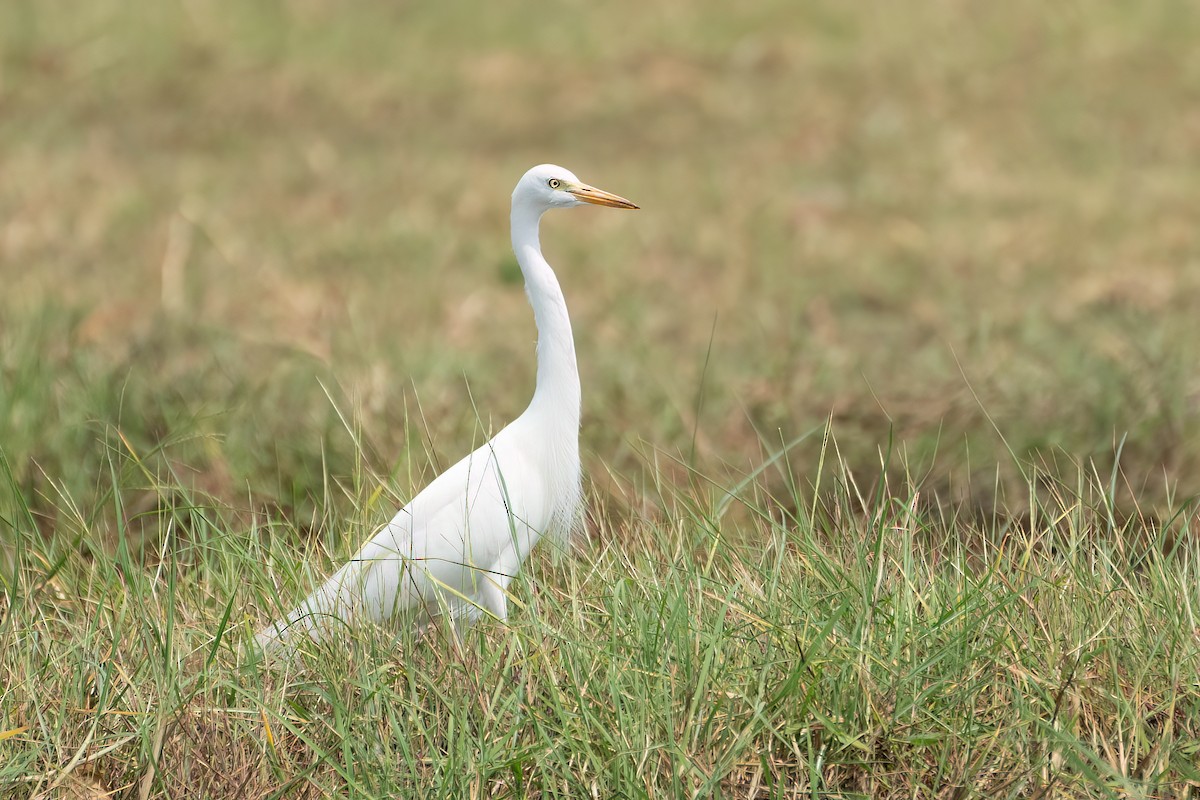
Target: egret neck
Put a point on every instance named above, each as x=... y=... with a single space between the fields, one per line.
x=557 y=395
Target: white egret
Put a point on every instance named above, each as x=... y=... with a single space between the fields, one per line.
x=456 y=546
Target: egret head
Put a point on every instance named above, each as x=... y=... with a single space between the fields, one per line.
x=547 y=186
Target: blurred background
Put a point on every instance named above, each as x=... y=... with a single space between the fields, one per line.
x=257 y=244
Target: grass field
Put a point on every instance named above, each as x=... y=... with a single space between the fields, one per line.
x=891 y=395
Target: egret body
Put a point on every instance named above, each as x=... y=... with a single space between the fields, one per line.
x=455 y=547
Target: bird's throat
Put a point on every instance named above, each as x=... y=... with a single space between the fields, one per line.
x=557 y=396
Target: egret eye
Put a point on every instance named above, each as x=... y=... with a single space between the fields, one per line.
x=554 y=183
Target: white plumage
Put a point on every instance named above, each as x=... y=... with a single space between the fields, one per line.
x=458 y=544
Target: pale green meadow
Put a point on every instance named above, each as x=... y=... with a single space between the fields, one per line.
x=891 y=395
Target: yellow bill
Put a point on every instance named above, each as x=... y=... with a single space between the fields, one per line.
x=599 y=197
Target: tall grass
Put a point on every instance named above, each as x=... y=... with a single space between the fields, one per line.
x=846 y=639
